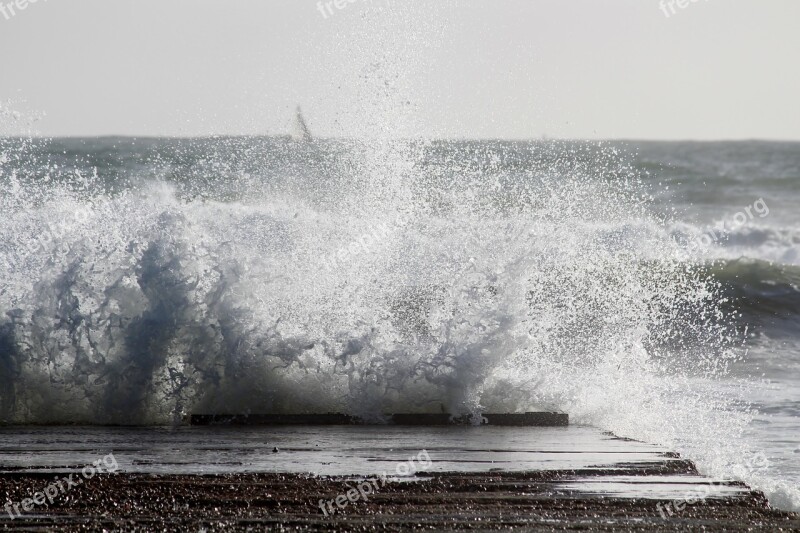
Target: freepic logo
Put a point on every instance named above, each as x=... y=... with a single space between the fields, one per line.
x=9 y=9
x=107 y=464
x=668 y=7
x=329 y=8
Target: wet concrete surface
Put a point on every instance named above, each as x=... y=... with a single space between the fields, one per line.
x=367 y=479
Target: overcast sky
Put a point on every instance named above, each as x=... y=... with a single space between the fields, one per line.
x=716 y=69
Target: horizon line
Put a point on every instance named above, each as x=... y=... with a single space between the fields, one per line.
x=488 y=139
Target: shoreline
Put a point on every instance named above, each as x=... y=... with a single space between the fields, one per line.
x=541 y=500
x=332 y=478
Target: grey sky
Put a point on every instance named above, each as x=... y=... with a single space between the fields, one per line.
x=716 y=69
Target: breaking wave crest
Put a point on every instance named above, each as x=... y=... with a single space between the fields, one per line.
x=142 y=305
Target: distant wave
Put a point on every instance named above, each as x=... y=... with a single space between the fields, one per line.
x=753 y=241
x=760 y=288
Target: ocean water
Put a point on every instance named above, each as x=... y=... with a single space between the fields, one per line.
x=649 y=289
